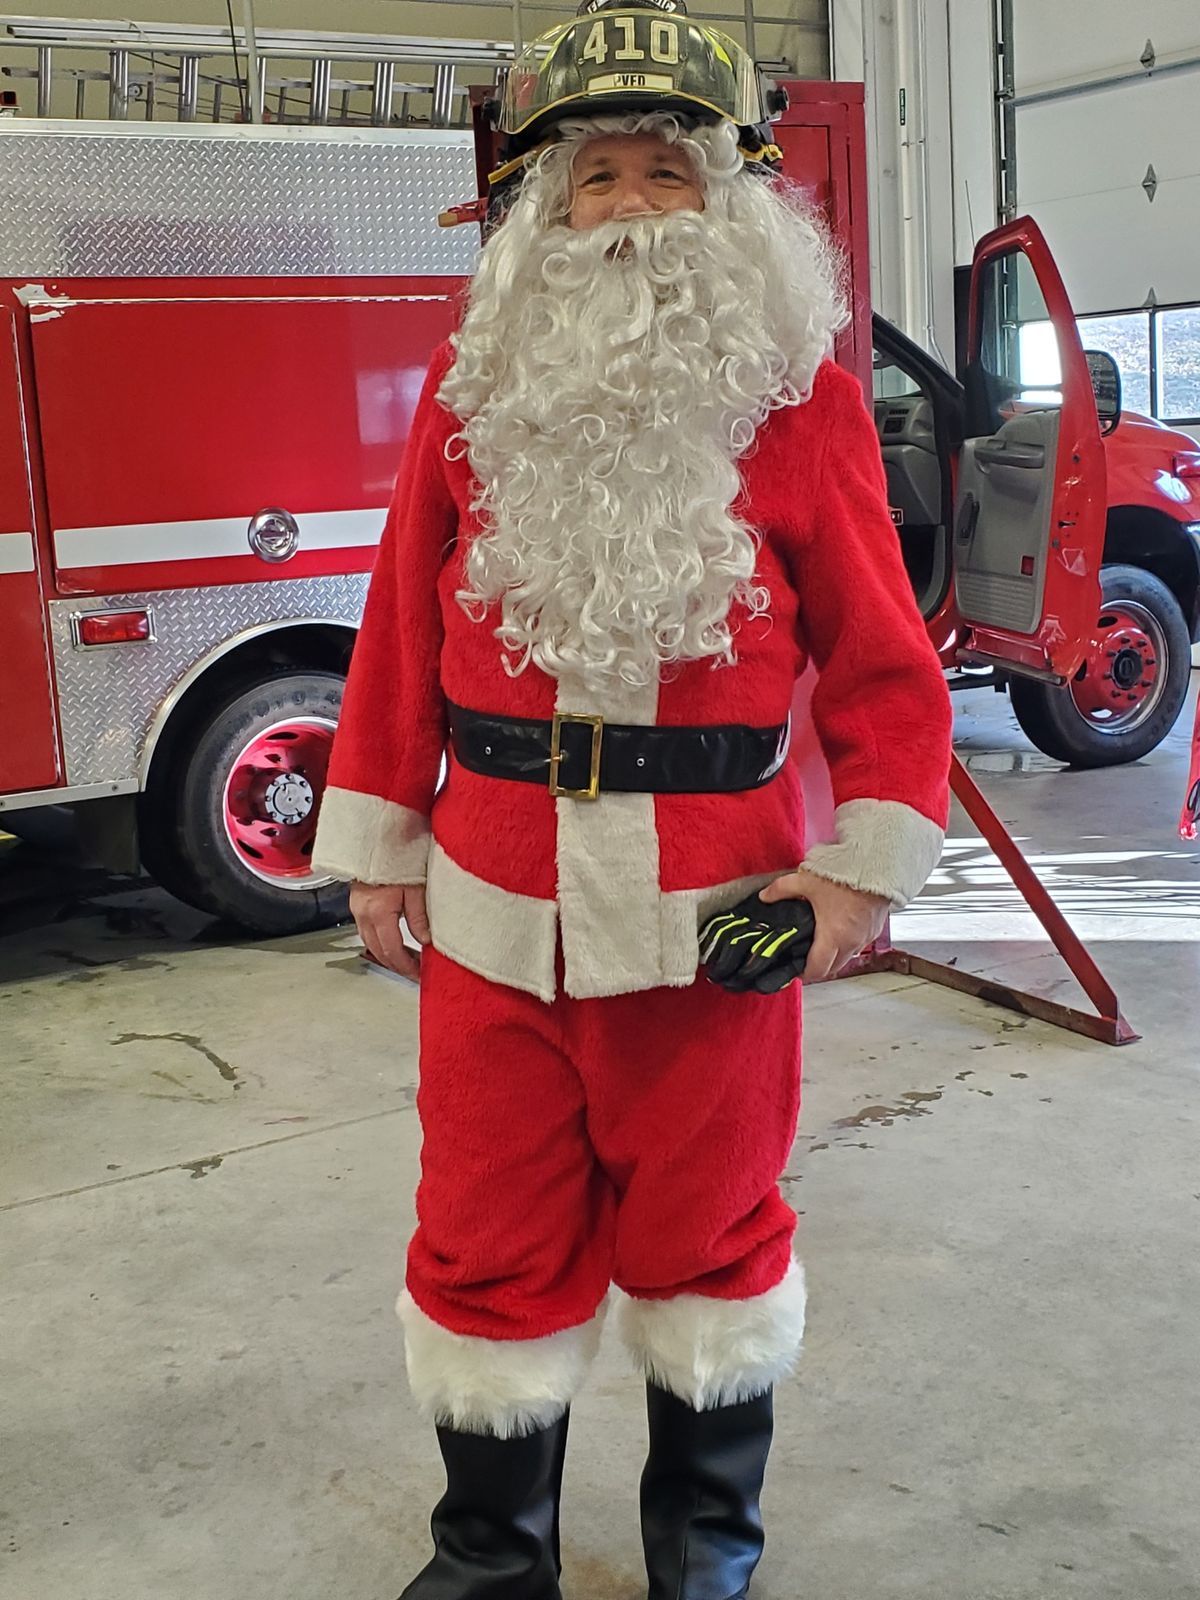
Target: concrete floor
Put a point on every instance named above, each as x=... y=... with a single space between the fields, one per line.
x=209 y=1155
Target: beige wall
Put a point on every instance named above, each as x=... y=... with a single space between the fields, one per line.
x=804 y=48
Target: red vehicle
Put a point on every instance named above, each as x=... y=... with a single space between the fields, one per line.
x=213 y=340
x=1084 y=598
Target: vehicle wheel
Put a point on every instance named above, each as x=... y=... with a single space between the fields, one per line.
x=228 y=825
x=1126 y=696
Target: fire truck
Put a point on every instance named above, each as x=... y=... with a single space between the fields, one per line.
x=212 y=342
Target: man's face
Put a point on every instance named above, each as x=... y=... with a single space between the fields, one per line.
x=631 y=175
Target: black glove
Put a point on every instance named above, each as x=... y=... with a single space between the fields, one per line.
x=757 y=946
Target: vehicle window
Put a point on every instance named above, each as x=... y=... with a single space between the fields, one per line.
x=1019 y=354
x=1126 y=338
x=890 y=381
x=1178 y=364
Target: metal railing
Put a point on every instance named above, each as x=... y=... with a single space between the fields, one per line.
x=154 y=70
x=157 y=71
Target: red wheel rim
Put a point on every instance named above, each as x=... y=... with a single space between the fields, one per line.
x=272 y=797
x=1124 y=674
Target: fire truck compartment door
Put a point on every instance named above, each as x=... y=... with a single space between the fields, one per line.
x=172 y=417
x=28 y=741
x=1031 y=496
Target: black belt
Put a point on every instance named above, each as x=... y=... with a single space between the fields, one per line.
x=580 y=756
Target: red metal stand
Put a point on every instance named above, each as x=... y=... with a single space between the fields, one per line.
x=1189 y=817
x=1108 y=1025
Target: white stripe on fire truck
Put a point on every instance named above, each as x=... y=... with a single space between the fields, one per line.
x=193 y=541
x=16 y=553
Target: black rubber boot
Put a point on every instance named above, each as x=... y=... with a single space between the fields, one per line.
x=495 y=1530
x=701 y=1524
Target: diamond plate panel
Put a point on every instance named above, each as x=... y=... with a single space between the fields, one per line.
x=109 y=695
x=165 y=204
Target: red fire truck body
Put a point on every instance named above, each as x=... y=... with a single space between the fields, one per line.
x=212 y=344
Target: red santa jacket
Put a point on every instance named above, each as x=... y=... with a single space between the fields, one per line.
x=626 y=880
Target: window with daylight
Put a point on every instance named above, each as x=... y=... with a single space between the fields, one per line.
x=1178 y=362
x=1158 y=352
x=1126 y=338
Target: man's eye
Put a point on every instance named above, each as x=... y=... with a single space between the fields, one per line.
x=595 y=178
x=667 y=172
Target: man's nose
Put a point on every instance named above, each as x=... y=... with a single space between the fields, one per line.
x=633 y=200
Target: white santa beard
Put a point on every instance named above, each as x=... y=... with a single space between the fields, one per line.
x=634 y=368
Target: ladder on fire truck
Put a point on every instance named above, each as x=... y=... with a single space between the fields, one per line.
x=165 y=71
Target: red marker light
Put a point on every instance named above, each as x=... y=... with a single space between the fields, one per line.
x=116 y=627
x=1027 y=566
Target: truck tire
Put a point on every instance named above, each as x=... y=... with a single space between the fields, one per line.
x=1128 y=693
x=228 y=824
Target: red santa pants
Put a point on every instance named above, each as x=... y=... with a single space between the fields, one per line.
x=635 y=1140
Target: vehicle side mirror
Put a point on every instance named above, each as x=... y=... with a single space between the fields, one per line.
x=1106 y=386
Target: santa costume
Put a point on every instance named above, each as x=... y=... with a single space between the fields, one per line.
x=637 y=500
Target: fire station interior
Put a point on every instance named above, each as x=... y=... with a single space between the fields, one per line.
x=232 y=236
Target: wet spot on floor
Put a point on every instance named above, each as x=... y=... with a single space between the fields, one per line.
x=74 y=960
x=993 y=1527
x=1010 y=761
x=900 y=1488
x=192 y=1041
x=125 y=921
x=1160 y=1552
x=1018 y=1074
x=201 y=1169
x=961 y=1077
x=354 y=964
x=915 y=1103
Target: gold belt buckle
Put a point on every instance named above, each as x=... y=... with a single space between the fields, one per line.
x=597 y=726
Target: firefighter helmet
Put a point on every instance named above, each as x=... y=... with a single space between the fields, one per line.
x=628 y=56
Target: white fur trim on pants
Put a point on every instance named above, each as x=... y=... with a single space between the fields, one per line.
x=499 y=1386
x=717 y=1352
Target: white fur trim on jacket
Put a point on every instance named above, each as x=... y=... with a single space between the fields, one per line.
x=510 y=938
x=717 y=1352
x=506 y=937
x=883 y=847
x=609 y=901
x=503 y=1387
x=363 y=838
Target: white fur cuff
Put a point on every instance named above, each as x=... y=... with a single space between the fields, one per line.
x=363 y=838
x=717 y=1352
x=883 y=847
x=503 y=1387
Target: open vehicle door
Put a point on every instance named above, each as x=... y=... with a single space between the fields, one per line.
x=1031 y=497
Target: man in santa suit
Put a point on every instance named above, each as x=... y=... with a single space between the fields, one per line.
x=637 y=500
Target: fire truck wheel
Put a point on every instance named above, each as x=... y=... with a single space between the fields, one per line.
x=1128 y=693
x=229 y=824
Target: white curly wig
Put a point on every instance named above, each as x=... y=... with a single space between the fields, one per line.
x=607 y=382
